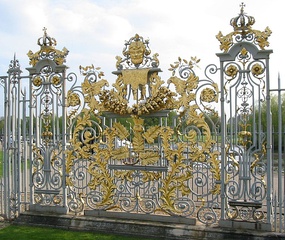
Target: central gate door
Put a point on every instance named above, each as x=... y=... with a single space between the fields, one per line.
x=145 y=146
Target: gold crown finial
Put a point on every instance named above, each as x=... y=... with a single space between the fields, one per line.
x=242 y=23
x=243 y=31
x=47 y=50
x=46 y=40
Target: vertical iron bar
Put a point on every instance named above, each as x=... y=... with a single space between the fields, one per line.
x=63 y=135
x=18 y=149
x=275 y=215
x=223 y=142
x=31 y=130
x=268 y=144
x=25 y=157
x=279 y=154
x=6 y=147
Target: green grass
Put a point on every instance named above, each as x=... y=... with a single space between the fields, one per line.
x=37 y=233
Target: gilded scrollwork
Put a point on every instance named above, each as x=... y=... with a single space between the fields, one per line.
x=176 y=180
x=127 y=163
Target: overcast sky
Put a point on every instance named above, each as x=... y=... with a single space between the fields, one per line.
x=94 y=31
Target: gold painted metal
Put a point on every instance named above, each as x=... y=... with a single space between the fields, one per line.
x=242 y=25
x=138 y=76
x=47 y=50
x=257 y=69
x=240 y=77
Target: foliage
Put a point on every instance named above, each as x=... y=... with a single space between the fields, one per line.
x=1 y=126
x=213 y=120
x=275 y=120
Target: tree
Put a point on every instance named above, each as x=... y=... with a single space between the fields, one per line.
x=275 y=120
x=2 y=124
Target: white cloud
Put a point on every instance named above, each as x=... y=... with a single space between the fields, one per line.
x=94 y=31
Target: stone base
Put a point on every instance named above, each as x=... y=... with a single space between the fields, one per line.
x=235 y=224
x=141 y=217
x=142 y=228
x=48 y=209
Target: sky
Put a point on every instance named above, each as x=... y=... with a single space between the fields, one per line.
x=94 y=31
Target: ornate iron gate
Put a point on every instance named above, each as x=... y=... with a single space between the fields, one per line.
x=118 y=162
x=246 y=146
x=144 y=147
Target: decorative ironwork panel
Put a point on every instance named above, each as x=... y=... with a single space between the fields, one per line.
x=47 y=78
x=244 y=78
x=145 y=145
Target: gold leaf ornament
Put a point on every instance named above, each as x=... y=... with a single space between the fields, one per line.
x=231 y=71
x=72 y=99
x=121 y=130
x=37 y=81
x=55 y=80
x=208 y=95
x=149 y=158
x=151 y=134
x=257 y=69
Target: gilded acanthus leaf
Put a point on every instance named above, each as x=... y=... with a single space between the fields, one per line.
x=192 y=135
x=180 y=85
x=138 y=143
x=93 y=88
x=124 y=175
x=151 y=133
x=192 y=82
x=156 y=83
x=121 y=130
x=149 y=158
x=226 y=41
x=121 y=153
x=151 y=176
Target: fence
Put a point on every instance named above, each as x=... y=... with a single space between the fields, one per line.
x=144 y=147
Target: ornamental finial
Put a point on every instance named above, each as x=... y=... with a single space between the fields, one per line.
x=243 y=31
x=46 y=40
x=242 y=23
x=47 y=51
x=242 y=5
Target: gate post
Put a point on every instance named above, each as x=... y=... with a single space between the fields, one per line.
x=246 y=149
x=12 y=141
x=48 y=126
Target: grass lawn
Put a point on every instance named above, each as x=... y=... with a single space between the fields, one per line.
x=37 y=233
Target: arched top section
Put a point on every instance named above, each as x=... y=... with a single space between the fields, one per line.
x=47 y=63
x=250 y=47
x=43 y=63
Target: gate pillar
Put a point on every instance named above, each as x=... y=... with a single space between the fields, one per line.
x=47 y=126
x=246 y=145
x=11 y=143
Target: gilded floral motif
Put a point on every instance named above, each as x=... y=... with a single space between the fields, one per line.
x=208 y=95
x=37 y=81
x=257 y=69
x=72 y=99
x=55 y=80
x=232 y=71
